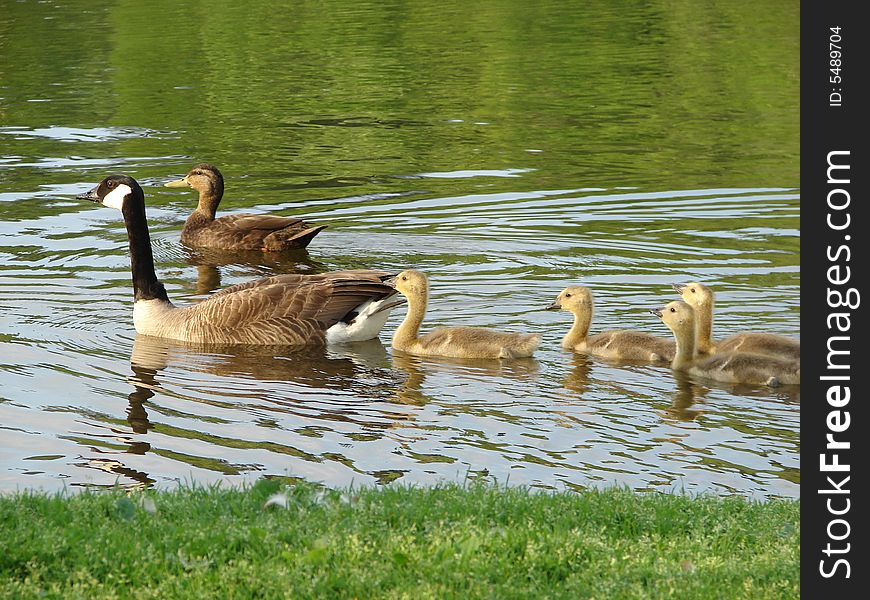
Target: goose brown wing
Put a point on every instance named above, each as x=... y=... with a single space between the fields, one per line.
x=293 y=279
x=317 y=301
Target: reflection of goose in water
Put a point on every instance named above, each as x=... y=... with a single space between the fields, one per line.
x=577 y=379
x=410 y=392
x=691 y=393
x=418 y=367
x=277 y=391
x=687 y=395
x=144 y=381
x=361 y=368
x=143 y=385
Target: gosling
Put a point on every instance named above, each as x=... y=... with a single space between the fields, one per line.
x=456 y=342
x=617 y=344
x=727 y=367
x=701 y=298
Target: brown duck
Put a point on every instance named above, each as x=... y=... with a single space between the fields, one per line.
x=270 y=233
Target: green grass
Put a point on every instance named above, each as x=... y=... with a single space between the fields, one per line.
x=396 y=542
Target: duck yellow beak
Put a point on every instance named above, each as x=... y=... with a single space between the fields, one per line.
x=178 y=183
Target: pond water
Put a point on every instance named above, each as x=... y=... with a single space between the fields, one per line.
x=507 y=150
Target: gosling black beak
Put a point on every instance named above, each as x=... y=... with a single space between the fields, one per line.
x=679 y=287
x=91 y=195
x=657 y=312
x=556 y=305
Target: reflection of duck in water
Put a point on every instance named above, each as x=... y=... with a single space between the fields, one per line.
x=701 y=299
x=620 y=344
x=209 y=260
x=261 y=232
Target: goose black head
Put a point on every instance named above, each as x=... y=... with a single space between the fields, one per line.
x=114 y=191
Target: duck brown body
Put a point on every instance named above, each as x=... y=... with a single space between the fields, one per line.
x=270 y=233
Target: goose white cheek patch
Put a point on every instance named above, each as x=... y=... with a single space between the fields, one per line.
x=115 y=199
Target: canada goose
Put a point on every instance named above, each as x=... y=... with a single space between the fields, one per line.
x=238 y=231
x=457 y=342
x=342 y=306
x=729 y=367
x=618 y=344
x=701 y=298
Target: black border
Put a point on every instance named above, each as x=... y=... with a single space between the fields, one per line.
x=826 y=128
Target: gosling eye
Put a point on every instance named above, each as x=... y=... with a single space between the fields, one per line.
x=404 y=278
x=693 y=290
x=567 y=295
x=673 y=309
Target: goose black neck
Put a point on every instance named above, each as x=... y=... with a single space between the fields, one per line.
x=146 y=286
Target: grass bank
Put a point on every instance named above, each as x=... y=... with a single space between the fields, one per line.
x=445 y=542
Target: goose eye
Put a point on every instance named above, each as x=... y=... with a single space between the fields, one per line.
x=110 y=183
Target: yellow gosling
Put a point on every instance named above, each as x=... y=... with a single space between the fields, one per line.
x=727 y=367
x=617 y=344
x=458 y=342
x=701 y=298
